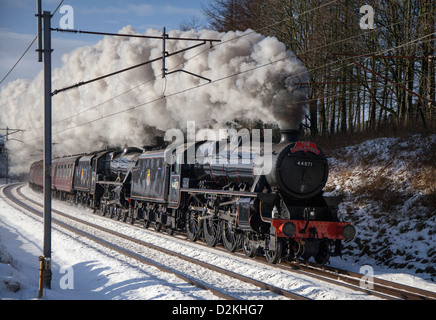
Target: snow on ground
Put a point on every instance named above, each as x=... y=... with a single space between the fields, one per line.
x=389 y=194
x=385 y=195
x=102 y=274
x=98 y=272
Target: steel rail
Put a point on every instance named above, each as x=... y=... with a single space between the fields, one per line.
x=260 y=284
x=382 y=288
x=7 y=192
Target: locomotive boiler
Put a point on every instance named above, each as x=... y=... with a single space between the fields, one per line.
x=297 y=169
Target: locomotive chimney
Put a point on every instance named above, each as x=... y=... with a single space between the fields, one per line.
x=289 y=136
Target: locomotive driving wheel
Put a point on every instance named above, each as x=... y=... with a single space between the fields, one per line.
x=158 y=220
x=248 y=246
x=145 y=214
x=192 y=220
x=157 y=226
x=273 y=248
x=211 y=227
x=131 y=216
x=146 y=223
x=104 y=208
x=231 y=239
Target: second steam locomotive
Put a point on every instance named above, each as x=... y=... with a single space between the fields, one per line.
x=280 y=214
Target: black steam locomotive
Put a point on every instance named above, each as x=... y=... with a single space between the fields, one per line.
x=219 y=196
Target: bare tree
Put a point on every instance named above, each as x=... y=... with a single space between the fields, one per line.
x=394 y=75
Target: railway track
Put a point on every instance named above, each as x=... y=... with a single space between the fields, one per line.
x=374 y=286
x=64 y=220
x=377 y=287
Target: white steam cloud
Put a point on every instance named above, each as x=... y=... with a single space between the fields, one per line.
x=252 y=77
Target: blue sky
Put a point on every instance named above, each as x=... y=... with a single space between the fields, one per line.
x=18 y=26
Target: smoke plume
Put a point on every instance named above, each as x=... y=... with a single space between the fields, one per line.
x=252 y=77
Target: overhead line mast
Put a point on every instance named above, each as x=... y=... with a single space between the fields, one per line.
x=5 y=151
x=46 y=16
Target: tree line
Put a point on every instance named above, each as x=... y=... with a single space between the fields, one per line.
x=362 y=76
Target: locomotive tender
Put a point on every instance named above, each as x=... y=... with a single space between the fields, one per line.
x=279 y=214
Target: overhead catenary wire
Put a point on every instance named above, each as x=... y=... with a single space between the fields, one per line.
x=19 y=59
x=134 y=107
x=166 y=37
x=202 y=85
x=133 y=35
x=245 y=34
x=216 y=80
x=155 y=37
x=179 y=38
x=27 y=49
x=382 y=56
